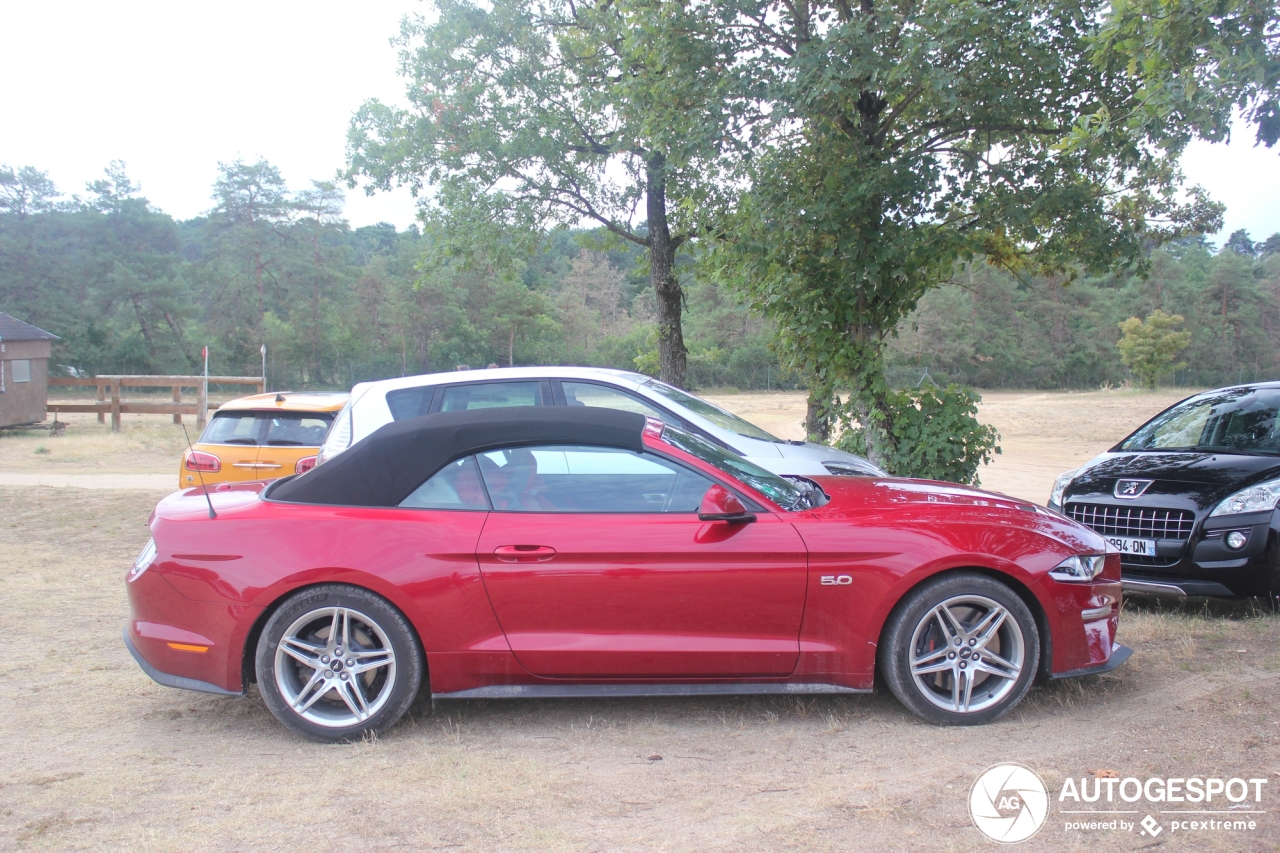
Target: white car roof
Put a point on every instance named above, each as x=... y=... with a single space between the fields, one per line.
x=625 y=378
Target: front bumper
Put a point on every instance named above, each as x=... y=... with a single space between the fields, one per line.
x=1119 y=654
x=1203 y=565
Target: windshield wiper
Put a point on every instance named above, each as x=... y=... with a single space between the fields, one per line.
x=283 y=441
x=237 y=441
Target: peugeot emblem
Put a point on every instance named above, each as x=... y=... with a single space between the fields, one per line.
x=1130 y=489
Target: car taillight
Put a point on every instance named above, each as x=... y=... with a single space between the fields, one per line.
x=206 y=463
x=304 y=465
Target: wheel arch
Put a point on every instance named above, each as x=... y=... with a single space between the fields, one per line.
x=1045 y=664
x=248 y=671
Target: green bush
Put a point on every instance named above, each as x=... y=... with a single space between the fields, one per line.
x=937 y=435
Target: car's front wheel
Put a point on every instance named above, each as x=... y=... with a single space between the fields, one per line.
x=337 y=661
x=960 y=650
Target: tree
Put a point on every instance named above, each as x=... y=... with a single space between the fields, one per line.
x=529 y=115
x=1240 y=243
x=904 y=140
x=249 y=244
x=25 y=191
x=1149 y=346
x=1197 y=63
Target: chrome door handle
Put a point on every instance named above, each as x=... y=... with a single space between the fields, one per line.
x=524 y=553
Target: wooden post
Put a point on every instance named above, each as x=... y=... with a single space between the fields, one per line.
x=102 y=398
x=202 y=393
x=177 y=398
x=262 y=386
x=115 y=405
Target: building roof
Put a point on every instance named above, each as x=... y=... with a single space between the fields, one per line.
x=385 y=467
x=13 y=329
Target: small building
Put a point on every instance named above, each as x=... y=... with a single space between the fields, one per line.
x=24 y=371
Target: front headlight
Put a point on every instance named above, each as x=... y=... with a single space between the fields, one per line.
x=1079 y=569
x=1060 y=485
x=144 y=561
x=1257 y=498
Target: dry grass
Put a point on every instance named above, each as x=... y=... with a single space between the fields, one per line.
x=146 y=444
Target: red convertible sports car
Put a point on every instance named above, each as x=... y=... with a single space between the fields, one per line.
x=535 y=552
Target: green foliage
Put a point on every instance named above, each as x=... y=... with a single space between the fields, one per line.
x=526 y=117
x=1150 y=346
x=903 y=143
x=131 y=291
x=988 y=329
x=936 y=435
x=1197 y=62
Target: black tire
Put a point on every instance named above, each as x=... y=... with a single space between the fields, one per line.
x=914 y=634
x=363 y=688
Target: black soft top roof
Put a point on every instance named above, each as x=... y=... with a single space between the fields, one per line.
x=384 y=468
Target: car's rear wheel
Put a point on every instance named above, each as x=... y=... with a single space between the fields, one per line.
x=960 y=650
x=337 y=661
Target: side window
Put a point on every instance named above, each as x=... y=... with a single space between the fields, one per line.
x=455 y=486
x=575 y=478
x=491 y=395
x=410 y=402
x=21 y=370
x=604 y=397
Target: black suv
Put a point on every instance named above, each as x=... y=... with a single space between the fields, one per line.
x=1190 y=498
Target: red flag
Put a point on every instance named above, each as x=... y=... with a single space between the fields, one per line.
x=204 y=353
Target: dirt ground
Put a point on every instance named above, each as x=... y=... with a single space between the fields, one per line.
x=98 y=757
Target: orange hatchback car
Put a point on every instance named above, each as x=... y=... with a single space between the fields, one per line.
x=260 y=437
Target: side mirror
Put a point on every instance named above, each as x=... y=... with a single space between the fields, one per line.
x=719 y=504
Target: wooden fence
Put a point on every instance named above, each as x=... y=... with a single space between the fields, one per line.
x=116 y=406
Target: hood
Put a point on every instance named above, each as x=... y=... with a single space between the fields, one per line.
x=1205 y=478
x=810 y=451
x=930 y=501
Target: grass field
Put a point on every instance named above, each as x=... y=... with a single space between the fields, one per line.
x=98 y=757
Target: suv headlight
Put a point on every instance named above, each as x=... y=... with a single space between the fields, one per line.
x=144 y=561
x=1261 y=497
x=1079 y=569
x=1060 y=485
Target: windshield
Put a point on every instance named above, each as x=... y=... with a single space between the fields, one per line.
x=282 y=429
x=1238 y=420
x=782 y=492
x=715 y=414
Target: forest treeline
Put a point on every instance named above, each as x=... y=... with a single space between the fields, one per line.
x=129 y=289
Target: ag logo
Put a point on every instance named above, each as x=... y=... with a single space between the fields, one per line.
x=1009 y=803
x=1130 y=489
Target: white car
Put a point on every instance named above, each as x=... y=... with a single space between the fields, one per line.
x=375 y=404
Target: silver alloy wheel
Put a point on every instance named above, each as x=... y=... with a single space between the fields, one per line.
x=967 y=653
x=335 y=667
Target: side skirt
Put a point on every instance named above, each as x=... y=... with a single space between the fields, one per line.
x=584 y=691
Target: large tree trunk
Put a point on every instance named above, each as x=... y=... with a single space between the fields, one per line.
x=869 y=397
x=820 y=411
x=672 y=355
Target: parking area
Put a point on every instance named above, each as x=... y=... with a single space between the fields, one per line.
x=97 y=756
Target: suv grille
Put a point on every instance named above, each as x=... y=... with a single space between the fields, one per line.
x=1138 y=523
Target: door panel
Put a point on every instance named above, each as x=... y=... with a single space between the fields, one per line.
x=645 y=595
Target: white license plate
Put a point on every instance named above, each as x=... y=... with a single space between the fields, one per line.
x=1140 y=547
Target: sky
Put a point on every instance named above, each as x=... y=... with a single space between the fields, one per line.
x=174 y=88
